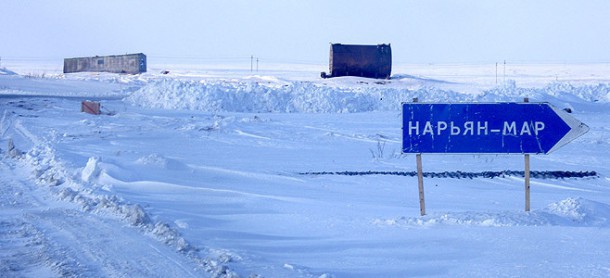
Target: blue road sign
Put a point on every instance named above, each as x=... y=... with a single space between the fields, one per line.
x=523 y=128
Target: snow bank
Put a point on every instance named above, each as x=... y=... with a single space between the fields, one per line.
x=578 y=212
x=5 y=71
x=294 y=97
x=309 y=97
x=575 y=212
x=65 y=184
x=561 y=91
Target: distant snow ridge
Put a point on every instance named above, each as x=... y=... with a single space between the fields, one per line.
x=5 y=71
x=308 y=97
x=574 y=212
x=556 y=90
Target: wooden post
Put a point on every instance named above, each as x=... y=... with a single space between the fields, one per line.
x=420 y=181
x=527 y=177
x=527 y=182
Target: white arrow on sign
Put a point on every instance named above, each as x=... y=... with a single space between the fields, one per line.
x=577 y=128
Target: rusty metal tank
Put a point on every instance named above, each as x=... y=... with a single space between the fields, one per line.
x=372 y=61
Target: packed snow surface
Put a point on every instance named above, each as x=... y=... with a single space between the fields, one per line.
x=199 y=173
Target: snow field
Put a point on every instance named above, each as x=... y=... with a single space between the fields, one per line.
x=209 y=168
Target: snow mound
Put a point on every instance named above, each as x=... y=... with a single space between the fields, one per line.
x=308 y=97
x=5 y=71
x=577 y=212
x=294 y=97
x=161 y=162
x=91 y=170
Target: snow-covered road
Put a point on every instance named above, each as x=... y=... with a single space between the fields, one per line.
x=43 y=236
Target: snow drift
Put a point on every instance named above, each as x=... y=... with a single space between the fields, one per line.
x=348 y=97
x=571 y=212
x=5 y=71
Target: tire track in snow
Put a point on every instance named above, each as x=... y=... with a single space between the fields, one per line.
x=88 y=244
x=104 y=247
x=23 y=251
x=41 y=237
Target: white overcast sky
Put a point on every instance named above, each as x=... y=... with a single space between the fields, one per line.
x=287 y=31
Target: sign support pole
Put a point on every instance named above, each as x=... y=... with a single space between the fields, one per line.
x=420 y=181
x=527 y=182
x=527 y=177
